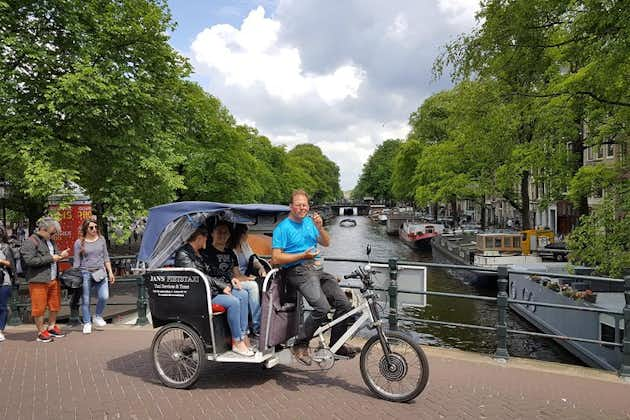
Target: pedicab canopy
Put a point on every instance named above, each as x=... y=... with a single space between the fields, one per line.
x=170 y=225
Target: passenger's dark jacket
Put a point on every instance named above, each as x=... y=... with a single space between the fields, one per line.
x=37 y=258
x=185 y=257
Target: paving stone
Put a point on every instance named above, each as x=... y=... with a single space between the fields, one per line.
x=109 y=375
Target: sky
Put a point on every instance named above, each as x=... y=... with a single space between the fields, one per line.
x=341 y=74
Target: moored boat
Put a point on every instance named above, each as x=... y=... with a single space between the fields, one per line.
x=488 y=250
x=419 y=234
x=573 y=323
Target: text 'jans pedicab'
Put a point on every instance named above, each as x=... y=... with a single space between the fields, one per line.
x=194 y=331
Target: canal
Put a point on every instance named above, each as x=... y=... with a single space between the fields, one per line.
x=350 y=242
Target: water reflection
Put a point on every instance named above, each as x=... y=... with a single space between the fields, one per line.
x=350 y=242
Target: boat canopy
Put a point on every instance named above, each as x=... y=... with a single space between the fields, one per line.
x=170 y=225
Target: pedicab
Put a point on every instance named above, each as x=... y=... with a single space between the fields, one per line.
x=193 y=330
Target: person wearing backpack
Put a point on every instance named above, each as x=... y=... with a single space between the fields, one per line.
x=7 y=277
x=40 y=256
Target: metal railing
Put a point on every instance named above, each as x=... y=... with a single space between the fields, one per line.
x=122 y=268
x=503 y=301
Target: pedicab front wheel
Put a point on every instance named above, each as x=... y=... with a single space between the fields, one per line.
x=399 y=376
x=178 y=355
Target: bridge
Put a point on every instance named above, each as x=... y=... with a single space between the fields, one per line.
x=350 y=209
x=108 y=374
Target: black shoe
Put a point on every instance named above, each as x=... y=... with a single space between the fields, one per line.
x=348 y=351
x=301 y=353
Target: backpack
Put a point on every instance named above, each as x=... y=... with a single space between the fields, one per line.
x=20 y=263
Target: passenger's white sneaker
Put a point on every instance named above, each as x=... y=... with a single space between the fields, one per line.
x=87 y=328
x=2 y=337
x=99 y=321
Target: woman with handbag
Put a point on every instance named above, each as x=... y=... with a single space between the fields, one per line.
x=7 y=276
x=91 y=256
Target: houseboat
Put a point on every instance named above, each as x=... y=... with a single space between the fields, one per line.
x=488 y=251
x=573 y=323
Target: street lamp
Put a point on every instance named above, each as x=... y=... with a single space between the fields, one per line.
x=4 y=187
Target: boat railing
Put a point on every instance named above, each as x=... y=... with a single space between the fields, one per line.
x=502 y=300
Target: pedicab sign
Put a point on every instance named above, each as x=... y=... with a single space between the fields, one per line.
x=172 y=286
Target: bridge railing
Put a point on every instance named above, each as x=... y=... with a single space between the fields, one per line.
x=503 y=300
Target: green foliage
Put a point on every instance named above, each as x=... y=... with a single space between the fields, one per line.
x=92 y=92
x=376 y=177
x=309 y=169
x=601 y=239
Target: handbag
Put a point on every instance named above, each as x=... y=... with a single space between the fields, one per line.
x=71 y=278
x=99 y=275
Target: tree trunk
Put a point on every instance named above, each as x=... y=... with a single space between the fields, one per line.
x=454 y=211
x=483 y=212
x=525 y=200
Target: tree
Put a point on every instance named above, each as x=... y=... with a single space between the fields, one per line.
x=376 y=176
x=309 y=169
x=87 y=94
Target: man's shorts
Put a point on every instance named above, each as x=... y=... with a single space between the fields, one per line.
x=43 y=295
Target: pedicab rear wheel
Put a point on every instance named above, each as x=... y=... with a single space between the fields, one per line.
x=178 y=355
x=400 y=376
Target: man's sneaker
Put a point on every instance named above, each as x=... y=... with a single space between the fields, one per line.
x=301 y=353
x=44 y=337
x=55 y=331
x=2 y=337
x=99 y=321
x=348 y=351
x=87 y=328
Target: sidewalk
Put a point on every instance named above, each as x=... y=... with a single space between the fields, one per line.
x=108 y=375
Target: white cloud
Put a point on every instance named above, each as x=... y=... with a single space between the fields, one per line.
x=460 y=11
x=344 y=76
x=252 y=54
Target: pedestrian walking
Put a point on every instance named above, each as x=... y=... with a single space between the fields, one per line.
x=7 y=277
x=91 y=256
x=41 y=256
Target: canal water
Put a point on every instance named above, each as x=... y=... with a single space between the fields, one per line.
x=350 y=242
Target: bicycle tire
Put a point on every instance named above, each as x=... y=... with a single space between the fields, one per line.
x=179 y=363
x=397 y=369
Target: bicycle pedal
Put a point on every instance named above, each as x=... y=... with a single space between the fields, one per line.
x=340 y=357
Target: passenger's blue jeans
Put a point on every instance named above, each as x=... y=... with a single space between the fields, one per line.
x=236 y=306
x=5 y=294
x=102 y=292
x=251 y=287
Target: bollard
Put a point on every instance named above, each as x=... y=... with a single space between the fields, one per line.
x=142 y=302
x=393 y=293
x=15 y=308
x=502 y=305
x=624 y=369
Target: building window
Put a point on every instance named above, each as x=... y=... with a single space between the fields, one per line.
x=600 y=152
x=610 y=150
x=589 y=153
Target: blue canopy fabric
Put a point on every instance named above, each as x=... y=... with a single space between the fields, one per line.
x=161 y=216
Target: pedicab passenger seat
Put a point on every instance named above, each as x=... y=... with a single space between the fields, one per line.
x=280 y=317
x=181 y=295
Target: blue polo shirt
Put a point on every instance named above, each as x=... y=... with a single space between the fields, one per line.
x=295 y=237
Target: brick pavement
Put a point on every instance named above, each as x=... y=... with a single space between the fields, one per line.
x=108 y=375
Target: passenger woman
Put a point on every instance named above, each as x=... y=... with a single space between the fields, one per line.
x=246 y=271
x=226 y=289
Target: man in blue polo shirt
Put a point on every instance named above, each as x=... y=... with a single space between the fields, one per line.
x=294 y=248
